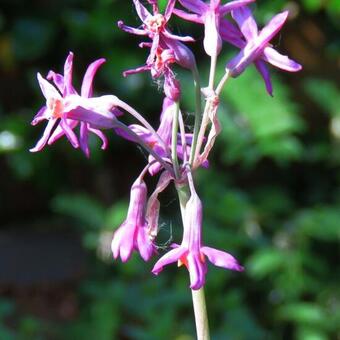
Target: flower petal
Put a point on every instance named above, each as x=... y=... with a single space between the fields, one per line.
x=142 y=12
x=263 y=70
x=221 y=259
x=232 y=5
x=280 y=61
x=68 y=88
x=101 y=136
x=231 y=34
x=71 y=136
x=144 y=244
x=170 y=257
x=169 y=8
x=59 y=132
x=197 y=271
x=41 y=115
x=188 y=16
x=48 y=90
x=122 y=242
x=57 y=79
x=196 y=6
x=43 y=140
x=84 y=139
x=129 y=29
x=86 y=87
x=245 y=22
x=272 y=28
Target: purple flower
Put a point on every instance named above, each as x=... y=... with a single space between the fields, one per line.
x=64 y=108
x=210 y=15
x=191 y=253
x=257 y=48
x=163 y=41
x=134 y=234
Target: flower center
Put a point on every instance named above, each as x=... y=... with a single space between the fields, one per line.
x=156 y=23
x=55 y=106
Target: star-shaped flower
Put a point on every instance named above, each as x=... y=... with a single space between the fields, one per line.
x=257 y=49
x=64 y=108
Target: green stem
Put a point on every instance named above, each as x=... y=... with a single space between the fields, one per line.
x=198 y=297
x=198 y=112
x=201 y=316
x=213 y=61
x=174 y=140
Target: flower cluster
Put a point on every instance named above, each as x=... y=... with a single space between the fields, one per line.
x=174 y=152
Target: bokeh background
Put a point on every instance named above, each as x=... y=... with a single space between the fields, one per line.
x=271 y=195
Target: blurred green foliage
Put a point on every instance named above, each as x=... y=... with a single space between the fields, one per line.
x=271 y=195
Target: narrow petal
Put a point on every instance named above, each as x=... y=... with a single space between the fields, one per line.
x=101 y=136
x=142 y=12
x=122 y=242
x=131 y=30
x=57 y=79
x=263 y=70
x=43 y=140
x=245 y=22
x=84 y=139
x=145 y=246
x=272 y=28
x=231 y=34
x=169 y=8
x=280 y=61
x=86 y=87
x=41 y=115
x=188 y=16
x=196 y=6
x=197 y=271
x=136 y=70
x=59 y=132
x=170 y=257
x=71 y=136
x=177 y=37
x=68 y=89
x=48 y=90
x=221 y=259
x=232 y=5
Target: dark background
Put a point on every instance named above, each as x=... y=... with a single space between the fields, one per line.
x=271 y=195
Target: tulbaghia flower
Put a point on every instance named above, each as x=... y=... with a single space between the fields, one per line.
x=64 y=108
x=134 y=233
x=210 y=15
x=154 y=27
x=191 y=253
x=257 y=48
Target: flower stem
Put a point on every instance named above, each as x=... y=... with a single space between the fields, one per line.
x=198 y=297
x=174 y=140
x=201 y=316
x=198 y=112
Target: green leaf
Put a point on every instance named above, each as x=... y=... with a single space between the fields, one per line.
x=81 y=207
x=303 y=313
x=265 y=261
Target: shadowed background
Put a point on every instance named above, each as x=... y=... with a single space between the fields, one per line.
x=271 y=195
